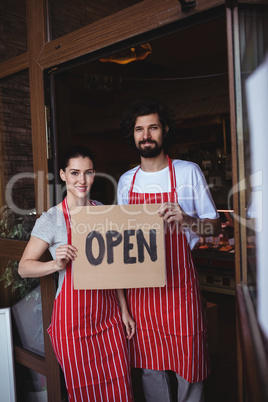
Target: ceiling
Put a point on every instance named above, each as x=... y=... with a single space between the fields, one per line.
x=187 y=70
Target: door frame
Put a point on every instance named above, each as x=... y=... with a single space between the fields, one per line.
x=149 y=17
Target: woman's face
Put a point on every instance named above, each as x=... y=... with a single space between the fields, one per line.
x=79 y=177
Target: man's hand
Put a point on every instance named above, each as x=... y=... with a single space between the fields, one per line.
x=172 y=212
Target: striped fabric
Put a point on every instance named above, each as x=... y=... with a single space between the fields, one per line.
x=171 y=326
x=89 y=341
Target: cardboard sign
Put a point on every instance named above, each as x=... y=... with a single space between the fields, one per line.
x=119 y=247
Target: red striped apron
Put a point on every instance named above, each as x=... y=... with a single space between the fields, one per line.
x=89 y=340
x=171 y=326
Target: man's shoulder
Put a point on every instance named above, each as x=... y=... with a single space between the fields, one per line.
x=188 y=172
x=183 y=164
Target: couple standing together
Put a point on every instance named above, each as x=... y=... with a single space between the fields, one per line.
x=165 y=327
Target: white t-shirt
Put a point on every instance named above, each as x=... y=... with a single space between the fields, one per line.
x=192 y=189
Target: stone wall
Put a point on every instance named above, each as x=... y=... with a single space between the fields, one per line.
x=16 y=142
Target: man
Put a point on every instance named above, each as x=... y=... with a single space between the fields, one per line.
x=171 y=330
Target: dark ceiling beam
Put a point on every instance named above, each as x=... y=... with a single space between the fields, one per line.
x=187 y=5
x=141 y=18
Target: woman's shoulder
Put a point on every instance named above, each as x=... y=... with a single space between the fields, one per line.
x=51 y=217
x=48 y=224
x=96 y=203
x=53 y=211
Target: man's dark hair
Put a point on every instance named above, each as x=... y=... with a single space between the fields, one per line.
x=74 y=152
x=144 y=108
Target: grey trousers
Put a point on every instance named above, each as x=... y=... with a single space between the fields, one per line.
x=156 y=388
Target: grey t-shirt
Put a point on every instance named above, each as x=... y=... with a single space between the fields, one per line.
x=51 y=228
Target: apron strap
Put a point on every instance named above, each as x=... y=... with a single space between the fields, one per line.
x=66 y=214
x=173 y=182
x=132 y=183
x=67 y=217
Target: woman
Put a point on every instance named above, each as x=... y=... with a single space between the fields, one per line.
x=86 y=330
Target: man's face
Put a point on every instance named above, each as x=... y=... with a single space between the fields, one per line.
x=148 y=135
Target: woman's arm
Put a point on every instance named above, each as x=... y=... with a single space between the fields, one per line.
x=126 y=317
x=31 y=267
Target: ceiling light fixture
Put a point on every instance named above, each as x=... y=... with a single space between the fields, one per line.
x=139 y=52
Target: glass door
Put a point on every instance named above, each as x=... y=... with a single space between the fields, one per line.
x=248 y=46
x=17 y=217
x=188 y=70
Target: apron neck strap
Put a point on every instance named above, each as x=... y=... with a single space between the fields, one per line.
x=173 y=182
x=67 y=218
x=133 y=181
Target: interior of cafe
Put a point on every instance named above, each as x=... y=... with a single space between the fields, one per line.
x=191 y=77
x=68 y=72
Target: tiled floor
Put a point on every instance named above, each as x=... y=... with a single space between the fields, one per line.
x=221 y=385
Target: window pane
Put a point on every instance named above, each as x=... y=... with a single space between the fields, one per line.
x=31 y=386
x=253 y=23
x=67 y=16
x=27 y=315
x=17 y=199
x=12 y=287
x=13 y=28
x=24 y=297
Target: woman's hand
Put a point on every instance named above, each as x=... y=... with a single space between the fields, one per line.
x=129 y=323
x=30 y=265
x=126 y=317
x=65 y=254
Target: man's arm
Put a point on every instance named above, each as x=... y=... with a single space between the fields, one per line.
x=203 y=227
x=172 y=212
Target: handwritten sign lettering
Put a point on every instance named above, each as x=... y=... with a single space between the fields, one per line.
x=114 y=238
x=118 y=247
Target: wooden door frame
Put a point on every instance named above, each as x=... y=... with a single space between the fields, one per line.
x=131 y=23
x=252 y=354
x=232 y=79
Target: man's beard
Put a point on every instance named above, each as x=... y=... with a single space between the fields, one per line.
x=149 y=152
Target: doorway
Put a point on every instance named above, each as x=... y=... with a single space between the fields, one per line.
x=188 y=71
